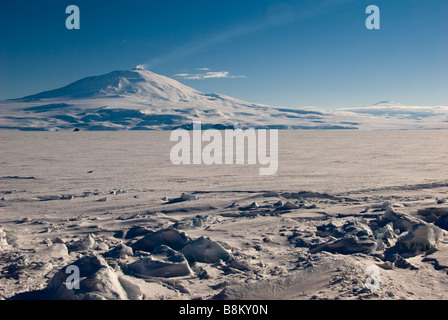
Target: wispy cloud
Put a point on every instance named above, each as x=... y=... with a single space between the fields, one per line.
x=276 y=16
x=207 y=75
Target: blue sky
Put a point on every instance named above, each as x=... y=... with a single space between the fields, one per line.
x=282 y=53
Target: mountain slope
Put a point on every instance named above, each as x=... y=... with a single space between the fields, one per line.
x=142 y=100
x=129 y=83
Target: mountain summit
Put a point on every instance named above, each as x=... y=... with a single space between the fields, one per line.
x=136 y=83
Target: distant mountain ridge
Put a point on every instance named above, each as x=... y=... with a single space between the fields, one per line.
x=139 y=99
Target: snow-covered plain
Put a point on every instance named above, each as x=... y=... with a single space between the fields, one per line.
x=341 y=201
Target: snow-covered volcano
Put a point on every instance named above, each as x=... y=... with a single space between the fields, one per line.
x=132 y=84
x=139 y=99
